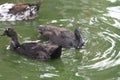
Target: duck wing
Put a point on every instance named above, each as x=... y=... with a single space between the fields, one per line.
x=59 y=36
x=26 y=50
x=36 y=50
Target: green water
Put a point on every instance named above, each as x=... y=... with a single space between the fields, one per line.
x=99 y=59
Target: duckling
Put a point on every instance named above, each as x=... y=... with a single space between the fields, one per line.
x=61 y=36
x=20 y=11
x=33 y=50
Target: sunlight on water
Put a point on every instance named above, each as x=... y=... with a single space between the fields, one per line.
x=109 y=50
x=99 y=59
x=113 y=12
x=108 y=55
x=71 y=20
x=92 y=20
x=48 y=75
x=112 y=1
x=116 y=24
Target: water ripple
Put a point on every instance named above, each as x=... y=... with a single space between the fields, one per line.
x=110 y=57
x=112 y=1
x=109 y=50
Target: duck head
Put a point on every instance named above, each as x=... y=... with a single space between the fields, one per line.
x=10 y=32
x=79 y=38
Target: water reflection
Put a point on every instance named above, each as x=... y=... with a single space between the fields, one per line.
x=99 y=57
x=113 y=12
x=109 y=58
x=48 y=75
x=93 y=20
x=112 y=1
x=116 y=24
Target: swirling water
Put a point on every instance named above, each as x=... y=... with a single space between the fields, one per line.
x=99 y=59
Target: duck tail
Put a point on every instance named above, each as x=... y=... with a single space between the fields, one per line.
x=79 y=37
x=39 y=3
x=56 y=53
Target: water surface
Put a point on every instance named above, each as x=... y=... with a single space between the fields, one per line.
x=99 y=59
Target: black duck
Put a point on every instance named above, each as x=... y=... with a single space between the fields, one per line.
x=33 y=50
x=61 y=36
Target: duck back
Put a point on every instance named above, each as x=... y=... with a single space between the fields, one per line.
x=32 y=49
x=60 y=36
x=26 y=49
x=39 y=51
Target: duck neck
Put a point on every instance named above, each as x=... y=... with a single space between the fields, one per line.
x=79 y=43
x=14 y=42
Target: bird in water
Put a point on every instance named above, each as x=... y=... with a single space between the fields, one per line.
x=61 y=36
x=20 y=11
x=32 y=49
